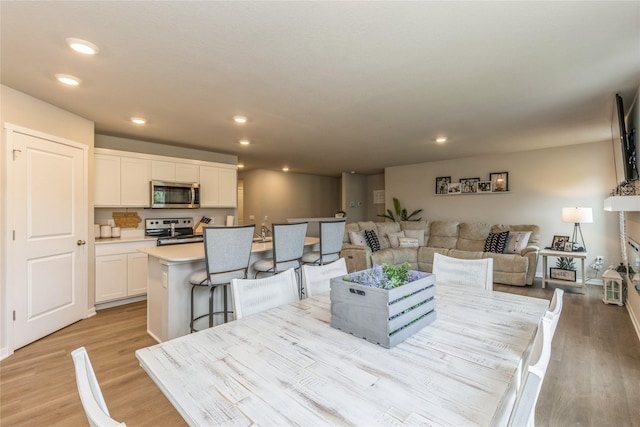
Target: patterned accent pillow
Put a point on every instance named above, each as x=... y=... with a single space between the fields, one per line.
x=518 y=240
x=408 y=242
x=372 y=240
x=496 y=242
x=357 y=238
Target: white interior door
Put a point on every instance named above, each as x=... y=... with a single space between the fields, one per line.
x=47 y=213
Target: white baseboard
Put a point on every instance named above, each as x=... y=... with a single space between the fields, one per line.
x=634 y=319
x=120 y=302
x=4 y=353
x=91 y=312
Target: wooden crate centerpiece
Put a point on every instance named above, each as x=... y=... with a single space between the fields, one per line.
x=385 y=304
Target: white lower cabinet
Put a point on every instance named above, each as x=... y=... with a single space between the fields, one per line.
x=121 y=271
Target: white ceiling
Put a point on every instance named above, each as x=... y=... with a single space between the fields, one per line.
x=333 y=86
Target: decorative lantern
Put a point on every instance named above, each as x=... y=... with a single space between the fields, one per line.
x=612 y=287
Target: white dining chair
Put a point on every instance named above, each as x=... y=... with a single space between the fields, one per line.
x=316 y=279
x=227 y=252
x=555 y=308
x=331 y=236
x=251 y=296
x=89 y=390
x=477 y=273
x=524 y=410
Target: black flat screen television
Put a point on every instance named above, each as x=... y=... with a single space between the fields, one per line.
x=626 y=169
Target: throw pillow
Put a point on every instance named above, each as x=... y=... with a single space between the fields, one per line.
x=357 y=238
x=518 y=240
x=415 y=234
x=393 y=238
x=372 y=240
x=408 y=242
x=496 y=242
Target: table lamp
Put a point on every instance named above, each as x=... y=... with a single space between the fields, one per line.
x=577 y=216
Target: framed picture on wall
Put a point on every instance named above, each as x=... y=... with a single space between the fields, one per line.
x=484 y=187
x=442 y=184
x=454 y=188
x=499 y=181
x=469 y=185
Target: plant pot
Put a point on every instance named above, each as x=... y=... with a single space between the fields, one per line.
x=383 y=316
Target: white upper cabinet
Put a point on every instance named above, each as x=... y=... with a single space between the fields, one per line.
x=135 y=185
x=107 y=180
x=187 y=173
x=172 y=171
x=123 y=178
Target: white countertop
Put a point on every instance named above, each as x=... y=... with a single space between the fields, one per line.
x=195 y=251
x=124 y=239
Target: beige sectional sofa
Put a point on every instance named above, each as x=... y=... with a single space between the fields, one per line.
x=456 y=239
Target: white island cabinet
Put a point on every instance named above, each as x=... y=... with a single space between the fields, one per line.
x=169 y=291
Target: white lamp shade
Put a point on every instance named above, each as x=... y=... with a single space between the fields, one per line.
x=577 y=215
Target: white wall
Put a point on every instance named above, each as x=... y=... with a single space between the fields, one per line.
x=23 y=110
x=541 y=183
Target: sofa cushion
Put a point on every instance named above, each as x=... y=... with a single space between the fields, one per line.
x=443 y=234
x=357 y=238
x=518 y=240
x=348 y=228
x=534 y=239
x=394 y=239
x=496 y=242
x=472 y=236
x=372 y=240
x=417 y=225
x=383 y=229
x=408 y=242
x=415 y=234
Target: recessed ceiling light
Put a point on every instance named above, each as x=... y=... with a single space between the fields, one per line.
x=244 y=142
x=240 y=119
x=138 y=120
x=441 y=139
x=68 y=80
x=285 y=169
x=240 y=165
x=82 y=46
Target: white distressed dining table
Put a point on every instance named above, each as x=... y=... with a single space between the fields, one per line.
x=287 y=366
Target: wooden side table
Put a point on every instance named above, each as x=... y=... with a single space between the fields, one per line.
x=582 y=256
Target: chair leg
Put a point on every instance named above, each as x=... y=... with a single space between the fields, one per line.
x=211 y=306
x=225 y=308
x=191 y=322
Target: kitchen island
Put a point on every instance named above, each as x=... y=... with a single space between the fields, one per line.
x=169 y=291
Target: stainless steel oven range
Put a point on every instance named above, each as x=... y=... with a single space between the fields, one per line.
x=171 y=231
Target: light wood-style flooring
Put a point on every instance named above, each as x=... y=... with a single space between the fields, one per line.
x=593 y=378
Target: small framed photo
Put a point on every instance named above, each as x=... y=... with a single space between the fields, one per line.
x=568 y=246
x=484 y=187
x=559 y=242
x=442 y=184
x=454 y=188
x=499 y=181
x=561 y=274
x=469 y=185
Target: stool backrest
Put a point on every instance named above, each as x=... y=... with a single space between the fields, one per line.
x=288 y=241
x=331 y=235
x=227 y=248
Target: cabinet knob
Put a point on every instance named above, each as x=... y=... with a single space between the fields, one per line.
x=81 y=242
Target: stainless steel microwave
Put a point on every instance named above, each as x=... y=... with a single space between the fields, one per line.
x=175 y=195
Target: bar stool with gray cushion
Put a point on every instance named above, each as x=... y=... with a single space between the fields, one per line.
x=288 y=247
x=331 y=234
x=227 y=251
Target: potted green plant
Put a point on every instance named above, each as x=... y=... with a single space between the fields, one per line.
x=401 y=214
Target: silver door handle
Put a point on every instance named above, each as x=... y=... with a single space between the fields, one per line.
x=81 y=242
